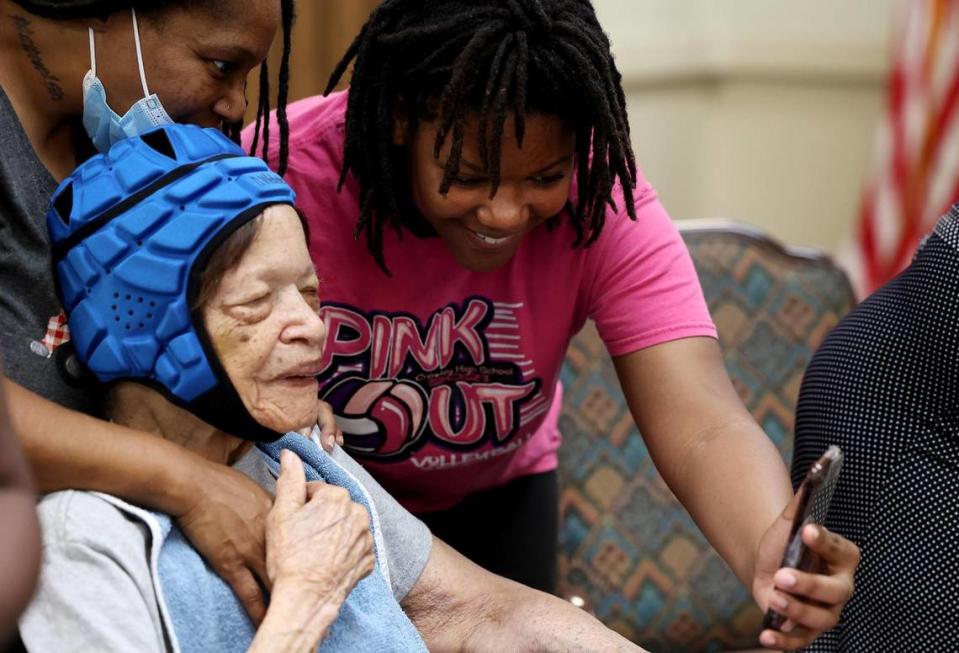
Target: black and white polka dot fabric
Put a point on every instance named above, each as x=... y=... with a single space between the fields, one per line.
x=884 y=387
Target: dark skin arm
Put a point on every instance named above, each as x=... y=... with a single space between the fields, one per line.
x=732 y=480
x=20 y=534
x=220 y=510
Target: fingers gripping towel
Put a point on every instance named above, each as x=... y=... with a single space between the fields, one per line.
x=201 y=612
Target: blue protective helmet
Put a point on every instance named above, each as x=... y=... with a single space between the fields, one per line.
x=131 y=231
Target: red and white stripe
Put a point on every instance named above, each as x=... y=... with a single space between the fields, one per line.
x=915 y=178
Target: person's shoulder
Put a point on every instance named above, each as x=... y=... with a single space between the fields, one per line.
x=634 y=237
x=317 y=115
x=311 y=121
x=947 y=228
x=642 y=196
x=75 y=518
x=96 y=568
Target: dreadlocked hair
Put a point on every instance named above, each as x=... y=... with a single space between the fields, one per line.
x=72 y=9
x=445 y=60
x=261 y=130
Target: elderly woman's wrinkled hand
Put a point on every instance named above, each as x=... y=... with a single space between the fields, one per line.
x=318 y=541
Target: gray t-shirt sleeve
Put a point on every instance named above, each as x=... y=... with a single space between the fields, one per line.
x=95 y=591
x=407 y=539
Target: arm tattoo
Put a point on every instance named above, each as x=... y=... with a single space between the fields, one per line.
x=24 y=35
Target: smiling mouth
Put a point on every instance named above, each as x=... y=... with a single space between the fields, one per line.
x=303 y=372
x=489 y=240
x=297 y=381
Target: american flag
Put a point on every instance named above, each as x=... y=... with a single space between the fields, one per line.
x=915 y=178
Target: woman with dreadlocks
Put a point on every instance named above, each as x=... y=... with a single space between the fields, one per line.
x=474 y=199
x=67 y=69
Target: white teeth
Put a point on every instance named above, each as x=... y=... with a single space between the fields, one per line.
x=489 y=239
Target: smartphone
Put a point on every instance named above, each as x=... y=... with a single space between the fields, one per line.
x=816 y=493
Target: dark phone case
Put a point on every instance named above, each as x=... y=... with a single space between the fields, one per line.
x=817 y=490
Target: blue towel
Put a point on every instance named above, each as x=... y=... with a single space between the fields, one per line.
x=207 y=617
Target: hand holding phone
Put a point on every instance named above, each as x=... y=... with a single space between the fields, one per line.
x=816 y=493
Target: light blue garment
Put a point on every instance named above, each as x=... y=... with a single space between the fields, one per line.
x=102 y=124
x=105 y=127
x=206 y=616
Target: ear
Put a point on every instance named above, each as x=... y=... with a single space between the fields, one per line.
x=104 y=22
x=103 y=25
x=401 y=123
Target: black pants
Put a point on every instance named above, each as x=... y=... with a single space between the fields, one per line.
x=510 y=530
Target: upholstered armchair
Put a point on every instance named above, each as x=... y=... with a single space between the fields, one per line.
x=627 y=547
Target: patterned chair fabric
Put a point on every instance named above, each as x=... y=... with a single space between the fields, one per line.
x=627 y=546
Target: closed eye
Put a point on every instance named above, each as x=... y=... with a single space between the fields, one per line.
x=548 y=180
x=249 y=304
x=251 y=310
x=254 y=301
x=469 y=182
x=312 y=296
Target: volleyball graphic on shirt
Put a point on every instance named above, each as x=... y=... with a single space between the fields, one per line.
x=387 y=416
x=453 y=382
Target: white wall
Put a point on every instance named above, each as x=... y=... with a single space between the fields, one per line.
x=762 y=111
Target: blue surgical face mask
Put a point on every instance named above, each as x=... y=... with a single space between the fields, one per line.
x=103 y=125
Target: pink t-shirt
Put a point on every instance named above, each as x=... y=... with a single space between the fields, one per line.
x=445 y=381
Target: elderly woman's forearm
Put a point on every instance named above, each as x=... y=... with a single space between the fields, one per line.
x=70 y=450
x=529 y=620
x=293 y=625
x=458 y=606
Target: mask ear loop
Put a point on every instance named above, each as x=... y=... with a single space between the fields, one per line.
x=136 y=42
x=93 y=52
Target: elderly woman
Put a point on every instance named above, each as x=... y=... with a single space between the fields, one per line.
x=75 y=75
x=190 y=290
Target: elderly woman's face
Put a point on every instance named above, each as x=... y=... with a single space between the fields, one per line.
x=264 y=325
